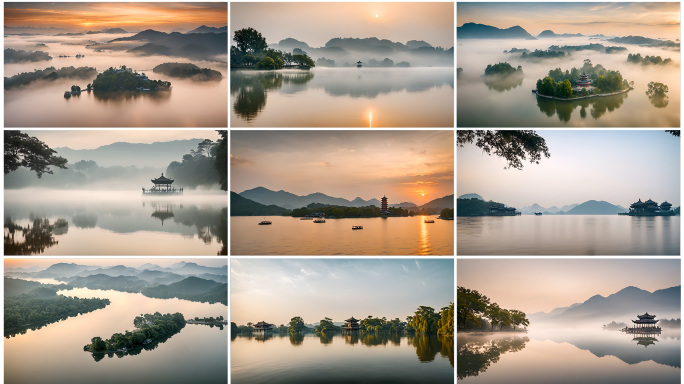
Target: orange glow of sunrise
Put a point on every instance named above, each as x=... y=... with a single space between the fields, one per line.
x=160 y=16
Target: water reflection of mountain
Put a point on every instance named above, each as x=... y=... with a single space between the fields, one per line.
x=599 y=106
x=628 y=348
x=477 y=352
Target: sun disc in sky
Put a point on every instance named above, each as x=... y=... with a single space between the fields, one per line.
x=376 y=15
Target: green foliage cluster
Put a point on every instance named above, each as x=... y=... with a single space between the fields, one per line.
x=188 y=70
x=447 y=213
x=211 y=319
x=539 y=54
x=657 y=89
x=504 y=69
x=473 y=207
x=192 y=289
x=149 y=326
x=518 y=50
x=296 y=326
x=375 y=324
x=323 y=62
x=121 y=79
x=550 y=87
x=514 y=146
x=206 y=165
x=588 y=47
x=252 y=50
x=472 y=306
x=425 y=320
x=18 y=56
x=41 y=305
x=50 y=73
x=22 y=150
x=646 y=60
x=326 y=325
x=342 y=211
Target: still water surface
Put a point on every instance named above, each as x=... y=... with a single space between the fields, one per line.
x=118 y=223
x=54 y=354
x=343 y=97
x=568 y=235
x=512 y=103
x=365 y=358
x=42 y=104
x=557 y=356
x=292 y=236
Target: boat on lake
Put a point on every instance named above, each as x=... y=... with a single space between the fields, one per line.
x=359 y=64
x=265 y=222
x=319 y=221
x=67 y=94
x=428 y=221
x=357 y=226
x=538 y=213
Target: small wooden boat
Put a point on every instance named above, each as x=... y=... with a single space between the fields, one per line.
x=265 y=222
x=428 y=221
x=538 y=213
x=357 y=226
x=67 y=94
x=319 y=221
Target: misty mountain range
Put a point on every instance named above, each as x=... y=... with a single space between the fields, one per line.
x=590 y=207
x=621 y=306
x=183 y=280
x=53 y=31
x=291 y=201
x=348 y=50
x=482 y=31
x=157 y=154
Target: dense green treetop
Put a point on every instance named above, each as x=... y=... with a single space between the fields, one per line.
x=249 y=40
x=188 y=70
x=296 y=325
x=657 y=89
x=504 y=69
x=646 y=60
x=473 y=306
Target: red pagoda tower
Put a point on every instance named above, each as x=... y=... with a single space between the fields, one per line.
x=583 y=81
x=383 y=204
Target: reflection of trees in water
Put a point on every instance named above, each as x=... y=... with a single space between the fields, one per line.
x=428 y=346
x=249 y=89
x=125 y=96
x=475 y=356
x=296 y=339
x=325 y=337
x=351 y=337
x=97 y=356
x=209 y=223
x=503 y=83
x=599 y=106
x=84 y=220
x=659 y=101
x=36 y=238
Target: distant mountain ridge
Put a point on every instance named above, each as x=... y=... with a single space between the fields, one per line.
x=289 y=200
x=190 y=45
x=471 y=196
x=136 y=154
x=205 y=29
x=482 y=31
x=622 y=305
x=549 y=33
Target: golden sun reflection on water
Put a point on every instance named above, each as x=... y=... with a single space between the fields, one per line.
x=424 y=245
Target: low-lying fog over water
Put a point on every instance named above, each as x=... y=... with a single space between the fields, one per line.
x=515 y=105
x=189 y=103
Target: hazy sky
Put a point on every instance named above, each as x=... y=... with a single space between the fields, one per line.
x=86 y=16
x=316 y=23
x=109 y=262
x=617 y=166
x=90 y=139
x=655 y=20
x=534 y=285
x=416 y=166
x=277 y=290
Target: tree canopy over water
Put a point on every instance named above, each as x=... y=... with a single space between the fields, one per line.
x=22 y=150
x=473 y=307
x=514 y=146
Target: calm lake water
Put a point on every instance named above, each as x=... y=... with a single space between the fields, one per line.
x=188 y=104
x=365 y=358
x=198 y=354
x=343 y=97
x=292 y=236
x=120 y=223
x=596 y=356
x=514 y=104
x=568 y=235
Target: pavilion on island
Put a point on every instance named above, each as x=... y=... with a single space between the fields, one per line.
x=583 y=83
x=645 y=324
x=351 y=324
x=262 y=326
x=162 y=185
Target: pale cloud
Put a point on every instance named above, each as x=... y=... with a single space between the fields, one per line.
x=404 y=267
x=417 y=264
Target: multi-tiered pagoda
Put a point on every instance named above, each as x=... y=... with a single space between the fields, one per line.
x=383 y=205
x=583 y=83
x=351 y=324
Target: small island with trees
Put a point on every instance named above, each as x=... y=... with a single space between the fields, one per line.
x=503 y=76
x=582 y=83
x=125 y=79
x=188 y=70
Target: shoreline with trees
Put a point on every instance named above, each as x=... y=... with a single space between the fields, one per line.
x=252 y=52
x=559 y=85
x=476 y=312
